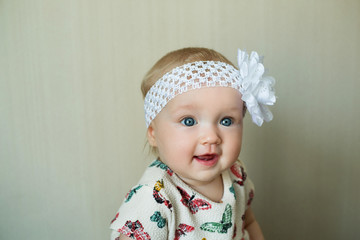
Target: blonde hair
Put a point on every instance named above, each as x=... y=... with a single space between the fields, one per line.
x=175 y=59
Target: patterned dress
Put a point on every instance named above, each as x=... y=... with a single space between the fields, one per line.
x=161 y=206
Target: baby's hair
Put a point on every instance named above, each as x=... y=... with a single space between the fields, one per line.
x=175 y=59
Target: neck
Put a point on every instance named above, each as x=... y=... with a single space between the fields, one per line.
x=213 y=190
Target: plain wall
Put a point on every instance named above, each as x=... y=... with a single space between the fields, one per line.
x=72 y=130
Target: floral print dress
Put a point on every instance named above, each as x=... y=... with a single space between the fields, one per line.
x=161 y=206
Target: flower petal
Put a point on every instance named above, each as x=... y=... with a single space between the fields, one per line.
x=257 y=91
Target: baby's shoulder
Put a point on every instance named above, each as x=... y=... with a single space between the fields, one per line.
x=157 y=182
x=156 y=175
x=146 y=199
x=238 y=172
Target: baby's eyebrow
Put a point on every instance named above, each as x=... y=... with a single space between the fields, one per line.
x=193 y=107
x=185 y=106
x=233 y=109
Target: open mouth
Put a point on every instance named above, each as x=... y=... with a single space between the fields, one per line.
x=207 y=159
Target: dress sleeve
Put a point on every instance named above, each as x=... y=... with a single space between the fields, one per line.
x=243 y=183
x=144 y=215
x=249 y=191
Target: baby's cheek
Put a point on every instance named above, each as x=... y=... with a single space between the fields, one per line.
x=235 y=148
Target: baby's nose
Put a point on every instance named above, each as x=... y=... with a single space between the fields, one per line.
x=210 y=136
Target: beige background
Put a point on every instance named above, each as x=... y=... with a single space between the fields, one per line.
x=72 y=132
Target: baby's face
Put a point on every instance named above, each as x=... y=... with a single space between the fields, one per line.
x=198 y=133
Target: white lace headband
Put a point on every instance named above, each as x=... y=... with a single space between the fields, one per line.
x=256 y=90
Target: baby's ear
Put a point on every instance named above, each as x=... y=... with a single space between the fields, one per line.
x=151 y=136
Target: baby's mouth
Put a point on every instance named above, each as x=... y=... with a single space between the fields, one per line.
x=206 y=157
x=207 y=160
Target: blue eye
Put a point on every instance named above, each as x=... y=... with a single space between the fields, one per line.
x=226 y=122
x=188 y=121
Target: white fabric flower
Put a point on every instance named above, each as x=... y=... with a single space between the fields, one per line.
x=257 y=91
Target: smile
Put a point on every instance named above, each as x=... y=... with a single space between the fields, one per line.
x=207 y=159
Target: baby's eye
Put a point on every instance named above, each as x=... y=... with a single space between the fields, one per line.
x=189 y=121
x=226 y=121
